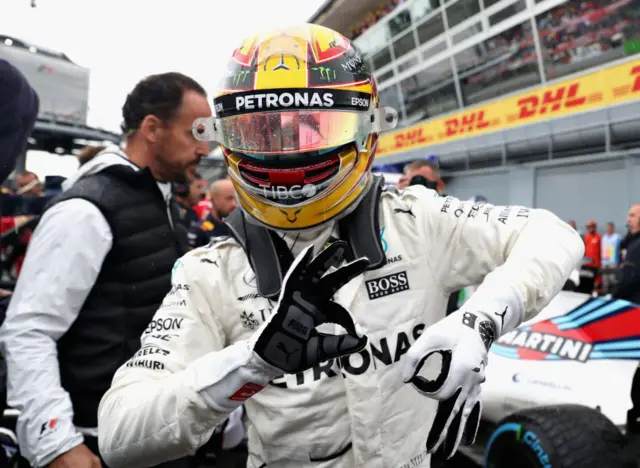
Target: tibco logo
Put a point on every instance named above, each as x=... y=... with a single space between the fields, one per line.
x=295 y=192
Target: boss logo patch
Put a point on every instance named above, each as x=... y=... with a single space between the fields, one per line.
x=387 y=285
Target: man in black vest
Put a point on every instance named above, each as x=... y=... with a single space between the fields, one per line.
x=97 y=269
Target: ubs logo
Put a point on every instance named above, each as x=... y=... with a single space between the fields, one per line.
x=387 y=285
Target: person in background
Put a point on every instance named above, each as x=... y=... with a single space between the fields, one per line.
x=188 y=195
x=25 y=207
x=423 y=172
x=573 y=224
x=87 y=153
x=610 y=257
x=223 y=202
x=97 y=268
x=627 y=284
x=29 y=184
x=203 y=207
x=35 y=194
x=19 y=105
x=53 y=185
x=16 y=233
x=592 y=252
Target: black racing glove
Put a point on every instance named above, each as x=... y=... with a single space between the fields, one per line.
x=289 y=339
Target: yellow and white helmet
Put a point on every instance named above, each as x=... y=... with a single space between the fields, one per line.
x=297 y=116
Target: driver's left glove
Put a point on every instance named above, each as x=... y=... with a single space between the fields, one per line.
x=455 y=350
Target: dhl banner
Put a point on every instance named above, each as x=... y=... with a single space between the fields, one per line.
x=604 y=87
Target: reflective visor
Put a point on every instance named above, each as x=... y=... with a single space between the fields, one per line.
x=291 y=132
x=295 y=131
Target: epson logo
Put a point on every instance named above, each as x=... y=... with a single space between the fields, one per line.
x=387 y=285
x=360 y=102
x=280 y=100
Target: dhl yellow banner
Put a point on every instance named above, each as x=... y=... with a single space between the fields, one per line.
x=604 y=87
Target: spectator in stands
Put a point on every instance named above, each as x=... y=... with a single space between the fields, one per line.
x=426 y=172
x=592 y=253
x=188 y=195
x=87 y=153
x=223 y=202
x=18 y=112
x=610 y=257
x=628 y=278
x=372 y=18
x=98 y=267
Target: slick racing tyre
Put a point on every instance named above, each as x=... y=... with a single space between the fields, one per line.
x=559 y=436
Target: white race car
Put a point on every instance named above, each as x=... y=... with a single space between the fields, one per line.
x=560 y=389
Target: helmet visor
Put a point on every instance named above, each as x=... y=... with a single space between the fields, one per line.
x=318 y=120
x=292 y=132
x=296 y=131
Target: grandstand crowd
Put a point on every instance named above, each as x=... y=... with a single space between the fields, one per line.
x=373 y=17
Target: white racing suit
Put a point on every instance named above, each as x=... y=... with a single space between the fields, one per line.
x=352 y=412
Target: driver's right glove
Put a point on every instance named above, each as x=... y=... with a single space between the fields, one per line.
x=288 y=340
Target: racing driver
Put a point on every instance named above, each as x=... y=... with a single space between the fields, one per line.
x=323 y=313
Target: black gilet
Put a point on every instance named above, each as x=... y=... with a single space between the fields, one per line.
x=135 y=276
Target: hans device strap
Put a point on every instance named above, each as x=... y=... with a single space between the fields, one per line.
x=260 y=250
x=249 y=102
x=361 y=228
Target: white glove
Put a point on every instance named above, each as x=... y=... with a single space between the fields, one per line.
x=462 y=340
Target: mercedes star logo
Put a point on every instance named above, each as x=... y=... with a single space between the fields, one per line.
x=281 y=65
